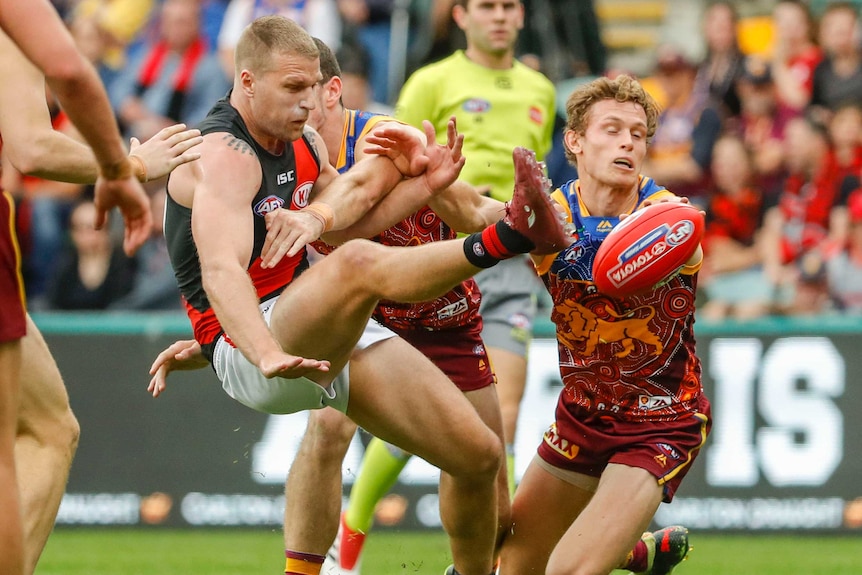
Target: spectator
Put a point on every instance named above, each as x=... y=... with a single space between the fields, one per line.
x=93 y=272
x=810 y=289
x=838 y=77
x=800 y=221
x=844 y=164
x=104 y=30
x=844 y=267
x=356 y=92
x=173 y=78
x=732 y=276
x=794 y=53
x=319 y=17
x=761 y=123
x=155 y=287
x=722 y=65
x=368 y=23
x=680 y=151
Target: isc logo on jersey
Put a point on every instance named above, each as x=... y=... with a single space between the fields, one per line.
x=649 y=249
x=268 y=204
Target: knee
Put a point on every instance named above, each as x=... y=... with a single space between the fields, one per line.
x=483 y=461
x=357 y=255
x=329 y=433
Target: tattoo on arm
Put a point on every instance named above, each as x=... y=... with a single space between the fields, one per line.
x=312 y=140
x=240 y=146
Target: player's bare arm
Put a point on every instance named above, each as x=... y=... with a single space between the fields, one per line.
x=74 y=82
x=221 y=189
x=444 y=163
x=466 y=210
x=35 y=148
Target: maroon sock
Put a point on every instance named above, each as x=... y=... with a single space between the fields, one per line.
x=638 y=558
x=302 y=563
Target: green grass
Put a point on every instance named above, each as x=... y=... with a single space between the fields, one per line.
x=161 y=552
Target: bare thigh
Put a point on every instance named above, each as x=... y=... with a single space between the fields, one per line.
x=43 y=394
x=400 y=396
x=611 y=523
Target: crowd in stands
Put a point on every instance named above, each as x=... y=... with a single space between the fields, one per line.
x=767 y=138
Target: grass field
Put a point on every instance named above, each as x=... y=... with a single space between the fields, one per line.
x=160 y=552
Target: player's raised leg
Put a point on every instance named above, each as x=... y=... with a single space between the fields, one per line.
x=406 y=400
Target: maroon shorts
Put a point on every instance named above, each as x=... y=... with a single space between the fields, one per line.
x=13 y=315
x=586 y=441
x=459 y=353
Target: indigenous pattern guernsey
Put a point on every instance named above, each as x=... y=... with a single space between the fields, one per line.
x=287 y=182
x=459 y=306
x=637 y=352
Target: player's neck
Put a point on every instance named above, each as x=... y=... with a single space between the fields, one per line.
x=333 y=130
x=502 y=61
x=602 y=200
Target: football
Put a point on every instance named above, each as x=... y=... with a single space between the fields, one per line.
x=647 y=248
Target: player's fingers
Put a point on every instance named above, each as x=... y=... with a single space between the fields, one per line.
x=430 y=133
x=169 y=131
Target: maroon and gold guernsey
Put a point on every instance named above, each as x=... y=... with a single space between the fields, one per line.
x=631 y=358
x=457 y=308
x=287 y=182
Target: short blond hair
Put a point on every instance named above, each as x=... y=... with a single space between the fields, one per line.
x=268 y=36
x=623 y=88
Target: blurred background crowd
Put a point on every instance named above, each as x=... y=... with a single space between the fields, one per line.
x=761 y=127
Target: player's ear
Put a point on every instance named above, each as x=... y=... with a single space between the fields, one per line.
x=334 y=89
x=572 y=141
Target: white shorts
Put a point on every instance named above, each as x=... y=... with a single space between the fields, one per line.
x=244 y=382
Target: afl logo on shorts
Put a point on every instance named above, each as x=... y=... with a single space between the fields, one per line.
x=268 y=204
x=301 y=193
x=476 y=106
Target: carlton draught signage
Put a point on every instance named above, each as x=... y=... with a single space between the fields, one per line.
x=783 y=454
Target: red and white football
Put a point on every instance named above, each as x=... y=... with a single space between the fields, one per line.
x=647 y=247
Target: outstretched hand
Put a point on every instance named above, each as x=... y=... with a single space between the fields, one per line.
x=440 y=163
x=291 y=366
x=180 y=355
x=400 y=143
x=169 y=148
x=444 y=162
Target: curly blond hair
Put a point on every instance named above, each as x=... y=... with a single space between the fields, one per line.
x=623 y=88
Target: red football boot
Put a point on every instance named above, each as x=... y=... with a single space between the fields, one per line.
x=531 y=211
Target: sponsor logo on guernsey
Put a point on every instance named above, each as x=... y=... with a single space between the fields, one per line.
x=476 y=105
x=654 y=402
x=285 y=177
x=649 y=249
x=268 y=204
x=536 y=114
x=301 y=193
x=562 y=446
x=604 y=226
x=452 y=309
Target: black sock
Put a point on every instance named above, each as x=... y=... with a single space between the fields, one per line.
x=494 y=243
